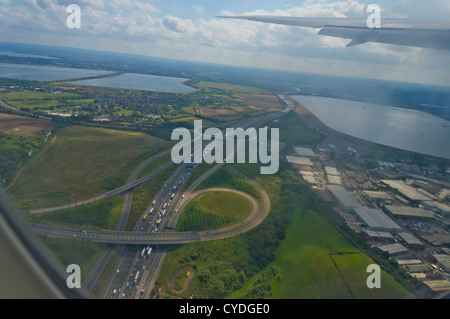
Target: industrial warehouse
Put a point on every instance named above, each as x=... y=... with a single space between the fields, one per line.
x=405 y=218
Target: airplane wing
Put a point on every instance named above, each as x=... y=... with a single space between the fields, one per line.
x=393 y=31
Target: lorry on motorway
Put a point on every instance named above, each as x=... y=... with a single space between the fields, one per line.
x=145 y=216
x=137 y=276
x=143 y=252
x=173 y=195
x=165 y=205
x=151 y=210
x=149 y=252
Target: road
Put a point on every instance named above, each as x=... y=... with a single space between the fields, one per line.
x=165 y=238
x=126 y=207
x=115 y=192
x=155 y=230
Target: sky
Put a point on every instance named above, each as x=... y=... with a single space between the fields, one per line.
x=190 y=30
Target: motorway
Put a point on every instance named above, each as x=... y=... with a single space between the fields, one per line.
x=136 y=270
x=126 y=207
x=143 y=237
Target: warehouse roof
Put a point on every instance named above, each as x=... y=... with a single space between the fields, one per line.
x=303 y=151
x=393 y=249
x=438 y=206
x=334 y=180
x=409 y=262
x=299 y=160
x=331 y=170
x=378 y=195
x=409 y=239
x=376 y=219
x=407 y=211
x=408 y=191
x=438 y=285
x=418 y=268
x=343 y=196
x=379 y=235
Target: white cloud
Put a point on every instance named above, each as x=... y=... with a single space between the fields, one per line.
x=139 y=27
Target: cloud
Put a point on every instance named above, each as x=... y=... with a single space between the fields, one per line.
x=142 y=27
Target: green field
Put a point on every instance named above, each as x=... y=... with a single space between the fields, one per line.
x=214 y=210
x=14 y=152
x=125 y=112
x=80 y=101
x=306 y=269
x=294 y=132
x=103 y=214
x=35 y=99
x=80 y=163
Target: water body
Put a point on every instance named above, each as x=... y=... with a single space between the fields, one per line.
x=136 y=81
x=401 y=128
x=25 y=55
x=45 y=73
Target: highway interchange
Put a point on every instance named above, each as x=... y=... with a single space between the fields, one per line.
x=142 y=251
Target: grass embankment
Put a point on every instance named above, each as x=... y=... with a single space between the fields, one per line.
x=70 y=251
x=155 y=165
x=226 y=178
x=198 y=172
x=144 y=195
x=103 y=214
x=103 y=278
x=80 y=163
x=222 y=266
x=214 y=210
x=294 y=132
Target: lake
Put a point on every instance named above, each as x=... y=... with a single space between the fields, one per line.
x=25 y=55
x=45 y=73
x=401 y=128
x=136 y=81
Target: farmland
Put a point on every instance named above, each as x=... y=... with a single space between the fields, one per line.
x=315 y=261
x=36 y=100
x=23 y=126
x=20 y=138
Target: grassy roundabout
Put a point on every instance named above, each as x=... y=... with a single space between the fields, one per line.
x=214 y=210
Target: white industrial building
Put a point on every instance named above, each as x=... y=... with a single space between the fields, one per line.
x=299 y=160
x=305 y=152
x=345 y=199
x=375 y=219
